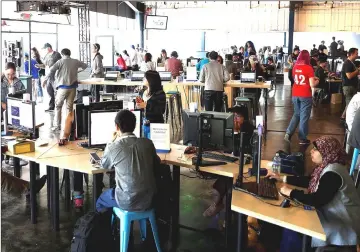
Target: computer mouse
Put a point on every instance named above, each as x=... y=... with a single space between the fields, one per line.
x=285 y=203
x=190 y=150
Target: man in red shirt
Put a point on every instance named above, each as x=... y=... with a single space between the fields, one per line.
x=174 y=65
x=304 y=80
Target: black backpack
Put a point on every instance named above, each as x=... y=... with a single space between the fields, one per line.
x=94 y=232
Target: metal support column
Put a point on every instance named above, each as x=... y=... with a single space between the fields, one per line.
x=291 y=26
x=84 y=34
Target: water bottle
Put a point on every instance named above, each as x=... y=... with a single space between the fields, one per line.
x=276 y=164
x=146 y=128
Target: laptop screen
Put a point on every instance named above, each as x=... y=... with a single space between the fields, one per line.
x=248 y=77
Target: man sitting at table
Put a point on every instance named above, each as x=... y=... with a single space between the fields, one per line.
x=134 y=160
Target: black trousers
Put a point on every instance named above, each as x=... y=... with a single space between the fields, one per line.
x=51 y=91
x=291 y=77
x=213 y=100
x=78 y=182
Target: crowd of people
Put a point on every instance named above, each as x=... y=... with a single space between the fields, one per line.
x=330 y=187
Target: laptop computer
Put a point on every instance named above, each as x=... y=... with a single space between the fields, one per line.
x=248 y=77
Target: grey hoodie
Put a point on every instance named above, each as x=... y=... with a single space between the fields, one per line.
x=97 y=68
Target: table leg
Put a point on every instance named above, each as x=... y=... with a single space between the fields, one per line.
x=176 y=206
x=33 y=192
x=48 y=187
x=266 y=111
x=242 y=233
x=67 y=189
x=357 y=179
x=55 y=198
x=306 y=243
x=17 y=167
x=229 y=184
x=97 y=180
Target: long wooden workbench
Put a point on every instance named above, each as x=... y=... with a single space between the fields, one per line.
x=72 y=157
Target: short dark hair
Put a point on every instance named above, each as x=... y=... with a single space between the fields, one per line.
x=174 y=54
x=333 y=38
x=270 y=59
x=207 y=55
x=126 y=121
x=154 y=81
x=213 y=55
x=97 y=46
x=352 y=51
x=10 y=65
x=296 y=48
x=117 y=54
x=147 y=57
x=228 y=57
x=66 y=52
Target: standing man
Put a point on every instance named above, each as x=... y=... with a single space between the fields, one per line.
x=134 y=59
x=213 y=75
x=292 y=60
x=333 y=47
x=66 y=83
x=349 y=75
x=322 y=47
x=50 y=59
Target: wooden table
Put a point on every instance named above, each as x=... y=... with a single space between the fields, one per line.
x=294 y=218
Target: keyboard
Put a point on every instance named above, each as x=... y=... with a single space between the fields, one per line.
x=219 y=157
x=266 y=189
x=204 y=163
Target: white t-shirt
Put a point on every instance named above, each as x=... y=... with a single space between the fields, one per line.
x=353 y=106
x=147 y=66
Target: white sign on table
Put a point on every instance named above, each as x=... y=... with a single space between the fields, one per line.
x=160 y=135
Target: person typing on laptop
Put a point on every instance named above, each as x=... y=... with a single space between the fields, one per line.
x=332 y=192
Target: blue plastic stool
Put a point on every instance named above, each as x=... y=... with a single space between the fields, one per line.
x=125 y=223
x=354 y=160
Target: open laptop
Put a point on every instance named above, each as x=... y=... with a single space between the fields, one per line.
x=248 y=77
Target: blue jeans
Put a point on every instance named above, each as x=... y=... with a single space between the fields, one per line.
x=302 y=111
x=39 y=88
x=106 y=200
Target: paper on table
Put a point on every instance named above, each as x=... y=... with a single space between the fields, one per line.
x=160 y=135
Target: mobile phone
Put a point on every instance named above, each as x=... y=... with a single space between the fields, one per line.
x=95 y=157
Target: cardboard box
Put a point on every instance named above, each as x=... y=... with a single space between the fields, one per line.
x=21 y=147
x=336 y=98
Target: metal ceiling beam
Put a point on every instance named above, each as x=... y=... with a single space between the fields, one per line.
x=132 y=6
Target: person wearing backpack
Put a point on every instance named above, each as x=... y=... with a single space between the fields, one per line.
x=134 y=160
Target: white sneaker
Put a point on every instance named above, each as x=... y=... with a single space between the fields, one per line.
x=55 y=128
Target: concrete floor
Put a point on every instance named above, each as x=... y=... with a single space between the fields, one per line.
x=18 y=234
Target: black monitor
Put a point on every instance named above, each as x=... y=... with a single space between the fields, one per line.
x=81 y=114
x=219 y=127
x=21 y=115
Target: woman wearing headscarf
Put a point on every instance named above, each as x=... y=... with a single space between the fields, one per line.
x=304 y=80
x=332 y=192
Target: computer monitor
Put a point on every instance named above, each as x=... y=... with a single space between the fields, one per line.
x=101 y=124
x=81 y=114
x=21 y=115
x=165 y=76
x=248 y=77
x=137 y=76
x=137 y=131
x=219 y=128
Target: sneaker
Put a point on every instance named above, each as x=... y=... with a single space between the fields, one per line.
x=78 y=201
x=213 y=210
x=55 y=128
x=304 y=142
x=287 y=138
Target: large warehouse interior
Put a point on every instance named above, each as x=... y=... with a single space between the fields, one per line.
x=182 y=126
